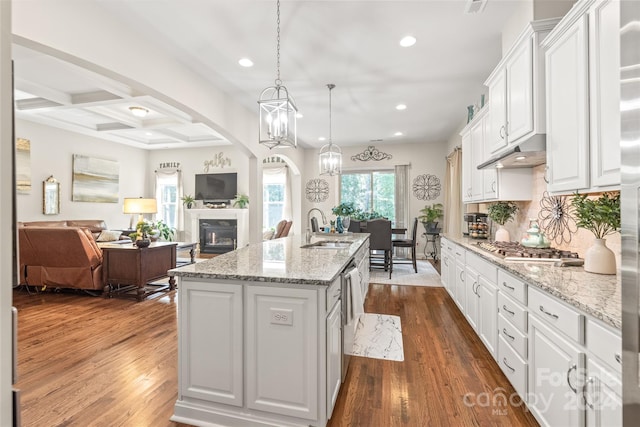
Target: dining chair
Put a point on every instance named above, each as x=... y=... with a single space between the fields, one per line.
x=408 y=243
x=380 y=240
x=354 y=226
x=280 y=229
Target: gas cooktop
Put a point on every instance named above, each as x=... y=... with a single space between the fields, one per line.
x=514 y=251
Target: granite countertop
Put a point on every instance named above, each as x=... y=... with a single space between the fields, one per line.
x=278 y=261
x=595 y=294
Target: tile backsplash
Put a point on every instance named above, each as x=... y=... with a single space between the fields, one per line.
x=580 y=241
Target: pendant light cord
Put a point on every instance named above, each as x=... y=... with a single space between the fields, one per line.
x=330 y=86
x=278 y=81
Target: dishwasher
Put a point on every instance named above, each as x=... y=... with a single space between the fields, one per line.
x=348 y=325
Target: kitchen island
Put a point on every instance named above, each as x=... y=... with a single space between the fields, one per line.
x=260 y=333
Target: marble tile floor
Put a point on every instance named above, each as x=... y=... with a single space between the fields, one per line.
x=379 y=336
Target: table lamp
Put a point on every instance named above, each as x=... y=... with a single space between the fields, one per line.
x=139 y=206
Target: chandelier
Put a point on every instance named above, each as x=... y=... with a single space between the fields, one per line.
x=277 y=109
x=330 y=154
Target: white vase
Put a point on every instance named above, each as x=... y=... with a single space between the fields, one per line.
x=502 y=235
x=599 y=258
x=346 y=221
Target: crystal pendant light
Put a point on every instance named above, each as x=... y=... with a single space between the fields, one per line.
x=277 y=109
x=330 y=154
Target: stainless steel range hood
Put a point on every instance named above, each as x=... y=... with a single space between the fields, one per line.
x=527 y=154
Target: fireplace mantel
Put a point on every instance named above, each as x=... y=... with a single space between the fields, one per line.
x=193 y=216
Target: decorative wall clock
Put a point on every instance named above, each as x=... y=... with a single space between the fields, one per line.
x=555 y=218
x=317 y=190
x=426 y=187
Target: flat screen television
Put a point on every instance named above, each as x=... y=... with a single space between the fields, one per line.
x=216 y=187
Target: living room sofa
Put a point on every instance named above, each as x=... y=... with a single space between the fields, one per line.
x=62 y=254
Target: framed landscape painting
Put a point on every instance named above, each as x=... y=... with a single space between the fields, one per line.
x=95 y=180
x=23 y=165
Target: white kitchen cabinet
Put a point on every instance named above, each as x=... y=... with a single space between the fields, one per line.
x=488 y=315
x=516 y=90
x=583 y=98
x=211 y=342
x=460 y=294
x=361 y=259
x=604 y=92
x=281 y=337
x=445 y=256
x=472 y=297
x=467 y=161
x=477 y=152
x=334 y=356
x=555 y=377
x=602 y=396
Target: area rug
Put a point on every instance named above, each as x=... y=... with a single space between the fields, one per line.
x=379 y=336
x=403 y=274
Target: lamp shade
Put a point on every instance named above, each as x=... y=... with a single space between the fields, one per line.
x=139 y=206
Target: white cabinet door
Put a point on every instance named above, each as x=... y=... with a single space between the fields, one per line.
x=334 y=356
x=602 y=399
x=604 y=92
x=460 y=294
x=444 y=268
x=211 y=351
x=472 y=297
x=477 y=156
x=466 y=167
x=519 y=71
x=555 y=377
x=497 y=135
x=282 y=351
x=488 y=315
x=566 y=71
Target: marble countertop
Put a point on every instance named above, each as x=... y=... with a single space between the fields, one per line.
x=595 y=294
x=278 y=261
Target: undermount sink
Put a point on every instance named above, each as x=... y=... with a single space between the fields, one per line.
x=328 y=244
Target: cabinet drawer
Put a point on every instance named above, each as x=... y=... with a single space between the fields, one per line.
x=333 y=294
x=513 y=336
x=486 y=269
x=512 y=286
x=513 y=367
x=459 y=254
x=555 y=313
x=605 y=344
x=513 y=312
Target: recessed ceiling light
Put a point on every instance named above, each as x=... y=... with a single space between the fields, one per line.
x=245 y=62
x=139 y=111
x=148 y=133
x=521 y=157
x=398 y=134
x=299 y=115
x=499 y=166
x=322 y=138
x=401 y=107
x=407 y=41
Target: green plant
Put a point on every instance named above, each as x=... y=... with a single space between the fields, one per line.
x=360 y=215
x=241 y=201
x=345 y=209
x=431 y=213
x=143 y=230
x=188 y=200
x=601 y=216
x=501 y=212
x=163 y=230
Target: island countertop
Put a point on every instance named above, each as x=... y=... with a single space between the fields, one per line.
x=279 y=261
x=596 y=294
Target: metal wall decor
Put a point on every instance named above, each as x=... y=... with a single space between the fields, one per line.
x=218 y=161
x=371 y=153
x=555 y=218
x=317 y=190
x=426 y=187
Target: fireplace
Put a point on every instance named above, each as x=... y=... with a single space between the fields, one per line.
x=218 y=236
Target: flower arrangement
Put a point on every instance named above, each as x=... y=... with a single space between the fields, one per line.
x=601 y=216
x=502 y=212
x=344 y=209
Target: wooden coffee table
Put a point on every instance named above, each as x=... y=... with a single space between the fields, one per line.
x=127 y=268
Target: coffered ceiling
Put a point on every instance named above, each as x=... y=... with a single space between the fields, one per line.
x=353 y=44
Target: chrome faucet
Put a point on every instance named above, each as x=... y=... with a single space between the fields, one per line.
x=324 y=218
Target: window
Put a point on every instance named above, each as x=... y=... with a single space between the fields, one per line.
x=167 y=196
x=273 y=198
x=370 y=191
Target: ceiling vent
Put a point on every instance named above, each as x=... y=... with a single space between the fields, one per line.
x=474 y=6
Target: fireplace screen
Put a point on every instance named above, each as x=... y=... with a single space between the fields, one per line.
x=218 y=236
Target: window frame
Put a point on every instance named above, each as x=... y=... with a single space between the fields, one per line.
x=369 y=171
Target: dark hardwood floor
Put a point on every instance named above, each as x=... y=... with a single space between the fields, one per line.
x=88 y=361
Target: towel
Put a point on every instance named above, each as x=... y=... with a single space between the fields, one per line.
x=357 y=303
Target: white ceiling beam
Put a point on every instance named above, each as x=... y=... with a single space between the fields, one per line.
x=41 y=91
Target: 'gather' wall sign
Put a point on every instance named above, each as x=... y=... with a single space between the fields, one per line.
x=218 y=161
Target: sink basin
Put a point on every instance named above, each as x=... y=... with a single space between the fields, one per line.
x=328 y=244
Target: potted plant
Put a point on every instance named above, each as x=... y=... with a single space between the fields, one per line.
x=141 y=236
x=162 y=230
x=241 y=201
x=430 y=216
x=344 y=211
x=501 y=213
x=601 y=216
x=188 y=201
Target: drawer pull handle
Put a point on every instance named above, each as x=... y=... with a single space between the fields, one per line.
x=504 y=307
x=555 y=316
x=585 y=392
x=504 y=361
x=507 y=286
x=511 y=337
x=618 y=358
x=462 y=276
x=475 y=287
x=573 y=367
x=446 y=262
